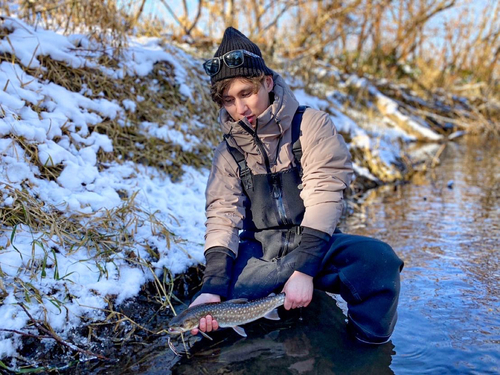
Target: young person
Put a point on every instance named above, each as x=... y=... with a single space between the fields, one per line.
x=272 y=213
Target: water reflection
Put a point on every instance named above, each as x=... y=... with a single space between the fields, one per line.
x=316 y=344
x=446 y=228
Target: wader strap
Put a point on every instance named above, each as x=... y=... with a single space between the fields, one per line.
x=296 y=146
x=245 y=173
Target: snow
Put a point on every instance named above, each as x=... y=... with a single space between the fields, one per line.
x=169 y=134
x=61 y=135
x=342 y=122
x=27 y=44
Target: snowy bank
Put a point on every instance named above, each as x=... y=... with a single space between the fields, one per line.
x=63 y=277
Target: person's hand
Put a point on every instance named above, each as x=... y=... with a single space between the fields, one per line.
x=298 y=290
x=207 y=324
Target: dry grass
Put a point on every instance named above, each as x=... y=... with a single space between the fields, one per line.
x=107 y=235
x=102 y=20
x=161 y=103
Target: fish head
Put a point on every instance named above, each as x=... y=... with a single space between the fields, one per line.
x=182 y=323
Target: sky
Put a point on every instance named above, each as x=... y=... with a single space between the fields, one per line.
x=61 y=134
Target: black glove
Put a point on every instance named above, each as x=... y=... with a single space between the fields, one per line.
x=218 y=271
x=313 y=247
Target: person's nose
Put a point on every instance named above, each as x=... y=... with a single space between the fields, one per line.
x=241 y=107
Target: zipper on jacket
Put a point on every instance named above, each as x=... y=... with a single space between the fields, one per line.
x=277 y=192
x=274 y=179
x=258 y=142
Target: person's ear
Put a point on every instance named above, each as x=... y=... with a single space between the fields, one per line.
x=269 y=83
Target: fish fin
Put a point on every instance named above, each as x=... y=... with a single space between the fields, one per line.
x=205 y=335
x=272 y=315
x=238 y=300
x=240 y=331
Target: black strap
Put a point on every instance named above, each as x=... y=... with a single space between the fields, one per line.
x=245 y=173
x=297 y=120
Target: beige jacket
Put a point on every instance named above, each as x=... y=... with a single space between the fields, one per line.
x=326 y=163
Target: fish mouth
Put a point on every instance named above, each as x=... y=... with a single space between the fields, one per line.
x=175 y=330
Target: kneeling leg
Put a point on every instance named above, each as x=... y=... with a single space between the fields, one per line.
x=365 y=272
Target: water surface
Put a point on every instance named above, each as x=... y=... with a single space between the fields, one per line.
x=447 y=230
x=446 y=227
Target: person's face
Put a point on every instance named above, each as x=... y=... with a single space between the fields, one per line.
x=240 y=99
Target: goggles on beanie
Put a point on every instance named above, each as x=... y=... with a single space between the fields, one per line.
x=232 y=59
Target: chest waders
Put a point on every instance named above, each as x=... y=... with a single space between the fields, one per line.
x=363 y=270
x=274 y=208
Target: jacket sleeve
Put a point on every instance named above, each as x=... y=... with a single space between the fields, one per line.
x=224 y=202
x=327 y=171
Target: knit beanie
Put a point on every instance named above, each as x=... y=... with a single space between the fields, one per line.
x=252 y=66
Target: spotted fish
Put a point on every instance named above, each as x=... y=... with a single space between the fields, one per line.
x=232 y=313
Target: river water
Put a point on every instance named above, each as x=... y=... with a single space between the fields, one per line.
x=446 y=227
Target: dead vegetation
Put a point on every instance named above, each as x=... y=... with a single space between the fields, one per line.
x=432 y=47
x=105 y=236
x=161 y=102
x=102 y=21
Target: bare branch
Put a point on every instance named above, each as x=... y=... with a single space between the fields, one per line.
x=50 y=333
x=174 y=16
x=196 y=19
x=138 y=14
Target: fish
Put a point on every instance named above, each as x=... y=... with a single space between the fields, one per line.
x=229 y=314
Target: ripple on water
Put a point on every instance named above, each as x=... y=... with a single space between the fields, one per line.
x=449 y=311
